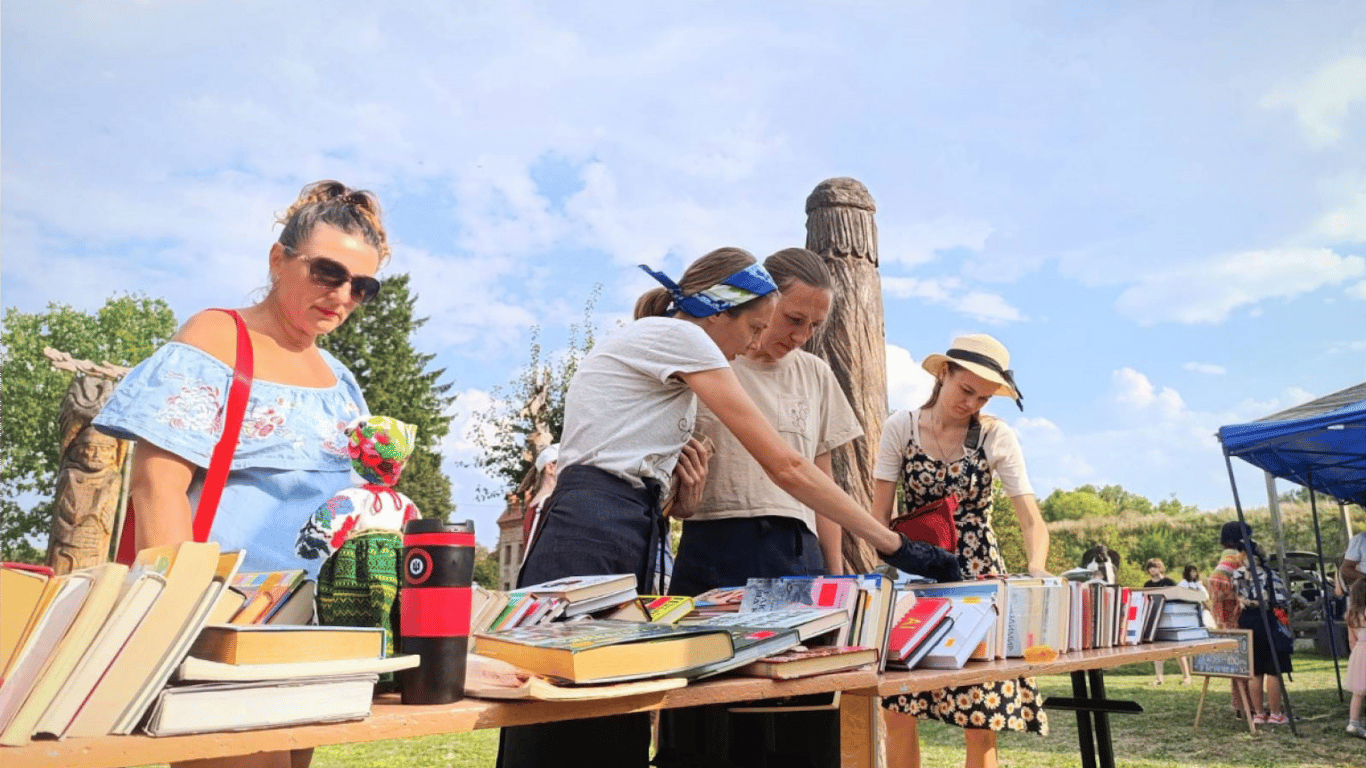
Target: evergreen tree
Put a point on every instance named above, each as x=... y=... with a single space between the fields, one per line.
x=376 y=344
x=124 y=331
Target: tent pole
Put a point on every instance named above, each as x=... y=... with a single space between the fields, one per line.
x=1324 y=587
x=1251 y=551
x=1273 y=504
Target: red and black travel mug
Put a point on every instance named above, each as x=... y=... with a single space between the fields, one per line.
x=434 y=608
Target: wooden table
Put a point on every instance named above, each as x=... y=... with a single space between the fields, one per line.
x=390 y=720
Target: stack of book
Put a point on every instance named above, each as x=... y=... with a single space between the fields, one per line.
x=269 y=597
x=243 y=677
x=561 y=599
x=1180 y=619
x=96 y=646
x=921 y=624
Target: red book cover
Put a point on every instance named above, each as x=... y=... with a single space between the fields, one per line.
x=916 y=624
x=1087 y=630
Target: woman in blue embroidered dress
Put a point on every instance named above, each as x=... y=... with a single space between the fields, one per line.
x=292 y=453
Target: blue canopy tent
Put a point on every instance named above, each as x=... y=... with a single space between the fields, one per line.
x=1320 y=445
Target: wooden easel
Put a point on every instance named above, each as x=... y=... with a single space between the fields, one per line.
x=1240 y=687
x=1235 y=664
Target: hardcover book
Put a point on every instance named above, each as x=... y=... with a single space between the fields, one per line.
x=576 y=588
x=668 y=609
x=189 y=569
x=748 y=644
x=598 y=651
x=140 y=591
x=285 y=644
x=487 y=678
x=918 y=618
x=106 y=581
x=972 y=621
x=805 y=662
x=216 y=707
x=808 y=623
x=200 y=670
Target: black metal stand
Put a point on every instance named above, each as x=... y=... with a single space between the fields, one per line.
x=1093 y=717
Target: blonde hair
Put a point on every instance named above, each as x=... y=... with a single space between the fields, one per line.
x=353 y=211
x=699 y=276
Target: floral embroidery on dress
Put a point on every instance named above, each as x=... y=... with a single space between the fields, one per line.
x=195 y=408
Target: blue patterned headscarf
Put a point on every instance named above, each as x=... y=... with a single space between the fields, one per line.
x=747 y=284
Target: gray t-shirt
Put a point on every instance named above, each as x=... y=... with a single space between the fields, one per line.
x=627 y=412
x=801 y=398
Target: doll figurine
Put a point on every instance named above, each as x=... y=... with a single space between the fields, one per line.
x=360 y=531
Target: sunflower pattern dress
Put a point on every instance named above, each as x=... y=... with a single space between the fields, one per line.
x=1013 y=705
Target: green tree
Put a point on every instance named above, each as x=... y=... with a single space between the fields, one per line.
x=124 y=331
x=376 y=344
x=485 y=567
x=502 y=429
x=1074 y=505
x=1121 y=500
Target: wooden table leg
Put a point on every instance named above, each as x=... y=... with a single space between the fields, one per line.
x=1201 y=707
x=860 y=740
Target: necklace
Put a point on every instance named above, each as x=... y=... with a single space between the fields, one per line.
x=938 y=438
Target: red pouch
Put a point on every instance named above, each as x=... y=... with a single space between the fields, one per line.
x=933 y=523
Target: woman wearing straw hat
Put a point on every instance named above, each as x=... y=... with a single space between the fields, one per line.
x=947 y=446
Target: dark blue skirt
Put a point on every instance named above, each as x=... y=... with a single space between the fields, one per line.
x=594 y=523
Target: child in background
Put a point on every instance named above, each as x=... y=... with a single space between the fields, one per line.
x=1356 y=666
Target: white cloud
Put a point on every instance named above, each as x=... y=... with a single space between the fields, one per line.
x=1208 y=291
x=950 y=292
x=908 y=385
x=1322 y=101
x=918 y=242
x=1357 y=291
x=1209 y=369
x=1347 y=222
x=1133 y=390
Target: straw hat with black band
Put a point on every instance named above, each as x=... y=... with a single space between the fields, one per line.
x=983 y=356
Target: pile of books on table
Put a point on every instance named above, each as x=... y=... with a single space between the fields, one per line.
x=90 y=653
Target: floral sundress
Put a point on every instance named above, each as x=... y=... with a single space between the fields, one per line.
x=1002 y=705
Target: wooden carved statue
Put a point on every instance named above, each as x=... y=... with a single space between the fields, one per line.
x=840 y=227
x=89 y=481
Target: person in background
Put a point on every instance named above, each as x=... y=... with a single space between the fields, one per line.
x=1226 y=607
x=745 y=526
x=547 y=465
x=1356 y=664
x=629 y=414
x=927 y=451
x=1157 y=577
x=293 y=453
x=1353 y=567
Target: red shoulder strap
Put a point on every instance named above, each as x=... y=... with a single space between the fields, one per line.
x=238 y=393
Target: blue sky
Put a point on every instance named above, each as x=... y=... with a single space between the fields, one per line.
x=1159 y=207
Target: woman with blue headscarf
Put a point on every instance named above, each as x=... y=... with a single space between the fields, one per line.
x=629 y=416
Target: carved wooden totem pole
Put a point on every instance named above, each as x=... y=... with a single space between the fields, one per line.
x=840 y=227
x=86 y=505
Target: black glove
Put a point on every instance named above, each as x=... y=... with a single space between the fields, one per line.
x=926 y=560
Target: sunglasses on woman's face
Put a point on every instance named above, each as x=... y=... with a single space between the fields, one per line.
x=330 y=273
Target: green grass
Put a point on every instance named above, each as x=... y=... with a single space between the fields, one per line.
x=1162 y=737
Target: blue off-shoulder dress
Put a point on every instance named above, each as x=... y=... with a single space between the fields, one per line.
x=291 y=456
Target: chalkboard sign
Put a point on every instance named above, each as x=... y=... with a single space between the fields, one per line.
x=1232 y=663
